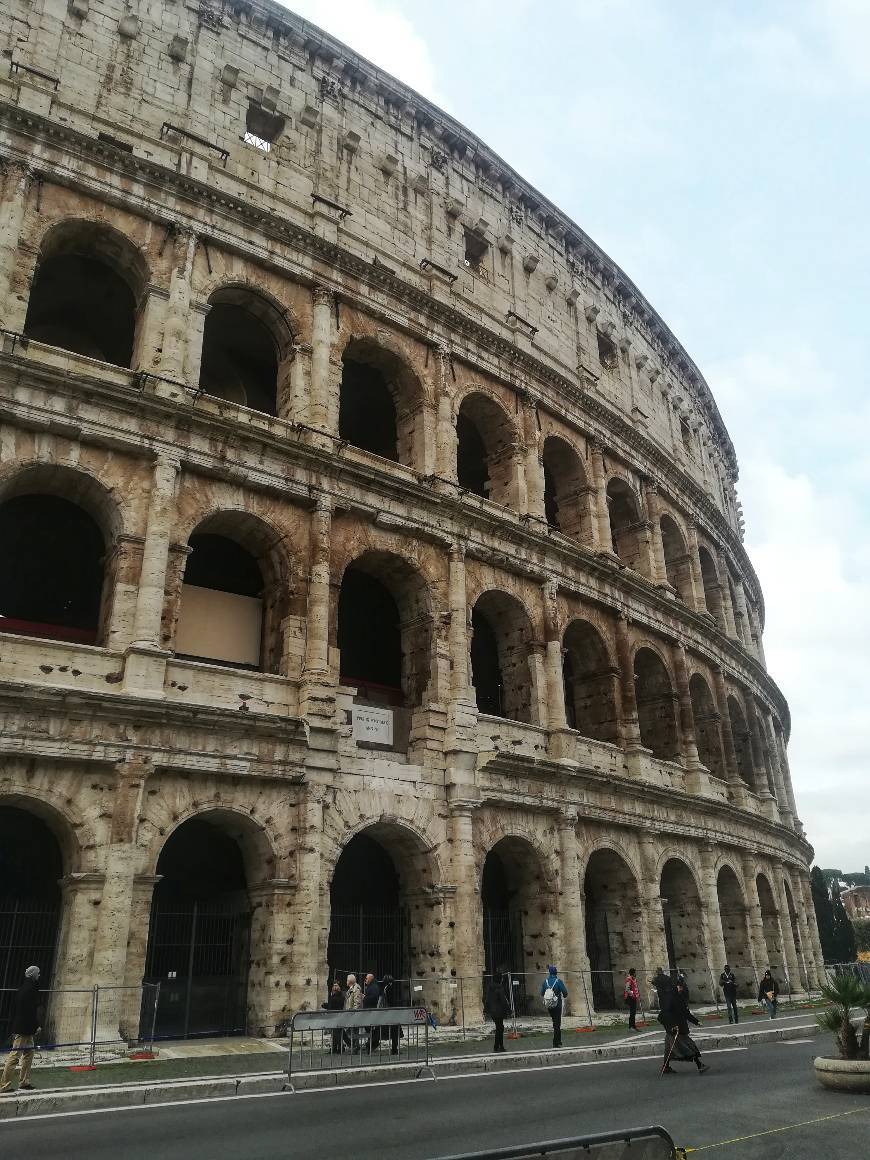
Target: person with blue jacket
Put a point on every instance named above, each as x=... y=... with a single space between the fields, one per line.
x=554 y=993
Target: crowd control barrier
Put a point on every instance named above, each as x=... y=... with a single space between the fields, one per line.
x=347 y=1040
x=627 y=1144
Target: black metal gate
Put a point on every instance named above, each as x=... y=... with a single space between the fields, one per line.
x=600 y=961
x=28 y=935
x=365 y=938
x=198 y=951
x=503 y=950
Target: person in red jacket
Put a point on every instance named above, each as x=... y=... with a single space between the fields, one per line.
x=631 y=994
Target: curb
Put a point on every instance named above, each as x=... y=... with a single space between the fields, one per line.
x=60 y=1100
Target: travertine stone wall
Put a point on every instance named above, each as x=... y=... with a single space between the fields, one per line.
x=122 y=138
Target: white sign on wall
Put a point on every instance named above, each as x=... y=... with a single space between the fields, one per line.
x=375 y=725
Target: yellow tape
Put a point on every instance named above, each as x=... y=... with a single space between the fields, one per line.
x=683 y=1152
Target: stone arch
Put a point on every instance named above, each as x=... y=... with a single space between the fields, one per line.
x=236 y=592
x=683 y=920
x=384 y=628
x=656 y=704
x=381 y=402
x=626 y=526
x=70 y=830
x=707 y=726
x=88 y=290
x=500 y=641
x=742 y=743
x=614 y=927
x=590 y=681
x=710 y=581
x=677 y=564
x=770 y=925
x=486 y=448
x=565 y=489
x=735 y=929
x=59 y=527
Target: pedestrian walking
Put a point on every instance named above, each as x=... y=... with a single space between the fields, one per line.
x=554 y=993
x=682 y=980
x=25 y=1025
x=353 y=1001
x=662 y=985
x=385 y=1001
x=728 y=983
x=675 y=1017
x=768 y=993
x=335 y=1002
x=631 y=994
x=497 y=1006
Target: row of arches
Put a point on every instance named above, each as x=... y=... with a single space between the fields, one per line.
x=202 y=936
x=88 y=296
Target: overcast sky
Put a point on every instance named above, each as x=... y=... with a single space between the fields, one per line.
x=719 y=153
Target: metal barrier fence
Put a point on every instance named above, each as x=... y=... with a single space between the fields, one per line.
x=90 y=1025
x=653 y=1143
x=344 y=1040
x=859 y=970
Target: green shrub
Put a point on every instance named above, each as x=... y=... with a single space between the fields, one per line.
x=847 y=996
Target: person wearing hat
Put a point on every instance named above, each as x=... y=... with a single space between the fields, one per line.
x=554 y=993
x=25 y=1024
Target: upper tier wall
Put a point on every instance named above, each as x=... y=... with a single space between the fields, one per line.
x=370 y=164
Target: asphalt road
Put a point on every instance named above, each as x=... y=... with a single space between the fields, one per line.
x=746 y=1092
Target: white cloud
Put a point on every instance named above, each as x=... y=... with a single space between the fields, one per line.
x=379 y=32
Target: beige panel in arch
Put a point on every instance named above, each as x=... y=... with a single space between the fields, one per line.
x=219 y=626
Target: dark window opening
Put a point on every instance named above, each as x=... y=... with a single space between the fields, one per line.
x=486 y=674
x=590 y=703
x=367 y=412
x=221 y=564
x=220 y=619
x=51 y=578
x=551 y=504
x=686 y=436
x=367 y=923
x=262 y=128
x=369 y=635
x=475 y=248
x=82 y=305
x=568 y=679
x=199 y=934
x=239 y=358
x=607 y=353
x=472 y=469
x=656 y=710
x=564 y=483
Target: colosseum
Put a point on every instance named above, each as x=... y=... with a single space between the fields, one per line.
x=373 y=585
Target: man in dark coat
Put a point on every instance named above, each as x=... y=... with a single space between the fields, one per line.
x=25 y=1024
x=335 y=1002
x=497 y=1006
x=675 y=1017
x=728 y=983
x=371 y=997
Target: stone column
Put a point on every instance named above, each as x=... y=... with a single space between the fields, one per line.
x=603 y=540
x=574 y=956
x=316 y=665
x=814 y=948
x=652 y=914
x=445 y=429
x=534 y=467
x=294 y=407
x=687 y=717
x=658 y=570
x=762 y=788
x=714 y=937
x=695 y=566
x=786 y=777
x=754 y=919
x=782 y=801
x=16 y=186
x=727 y=604
x=309 y=923
x=728 y=751
x=146 y=658
x=553 y=660
x=173 y=358
x=458 y=632
x=466 y=902
x=789 y=947
x=320 y=406
x=741 y=618
x=70 y=1013
x=629 y=723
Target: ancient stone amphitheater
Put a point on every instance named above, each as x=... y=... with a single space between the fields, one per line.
x=372 y=583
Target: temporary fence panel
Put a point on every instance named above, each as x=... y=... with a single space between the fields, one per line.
x=652 y=1143
x=345 y=1040
x=28 y=932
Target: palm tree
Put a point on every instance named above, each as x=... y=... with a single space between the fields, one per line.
x=847 y=996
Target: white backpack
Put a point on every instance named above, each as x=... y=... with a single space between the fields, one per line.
x=551 y=998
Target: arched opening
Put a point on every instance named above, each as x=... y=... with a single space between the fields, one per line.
x=199 y=934
x=380 y=403
x=707 y=726
x=656 y=705
x=614 y=941
x=681 y=909
x=564 y=489
x=245 y=349
x=735 y=931
x=516 y=916
x=31 y=867
x=485 y=453
x=589 y=679
x=626 y=536
x=384 y=630
x=677 y=566
x=712 y=588
x=52 y=572
x=737 y=604
x=221 y=615
x=772 y=934
x=500 y=673
x=86 y=292
x=742 y=746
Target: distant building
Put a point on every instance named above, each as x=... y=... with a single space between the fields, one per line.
x=857 y=901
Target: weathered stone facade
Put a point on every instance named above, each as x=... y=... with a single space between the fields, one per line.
x=266 y=310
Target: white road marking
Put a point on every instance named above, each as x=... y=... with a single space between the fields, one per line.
x=336 y=1089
